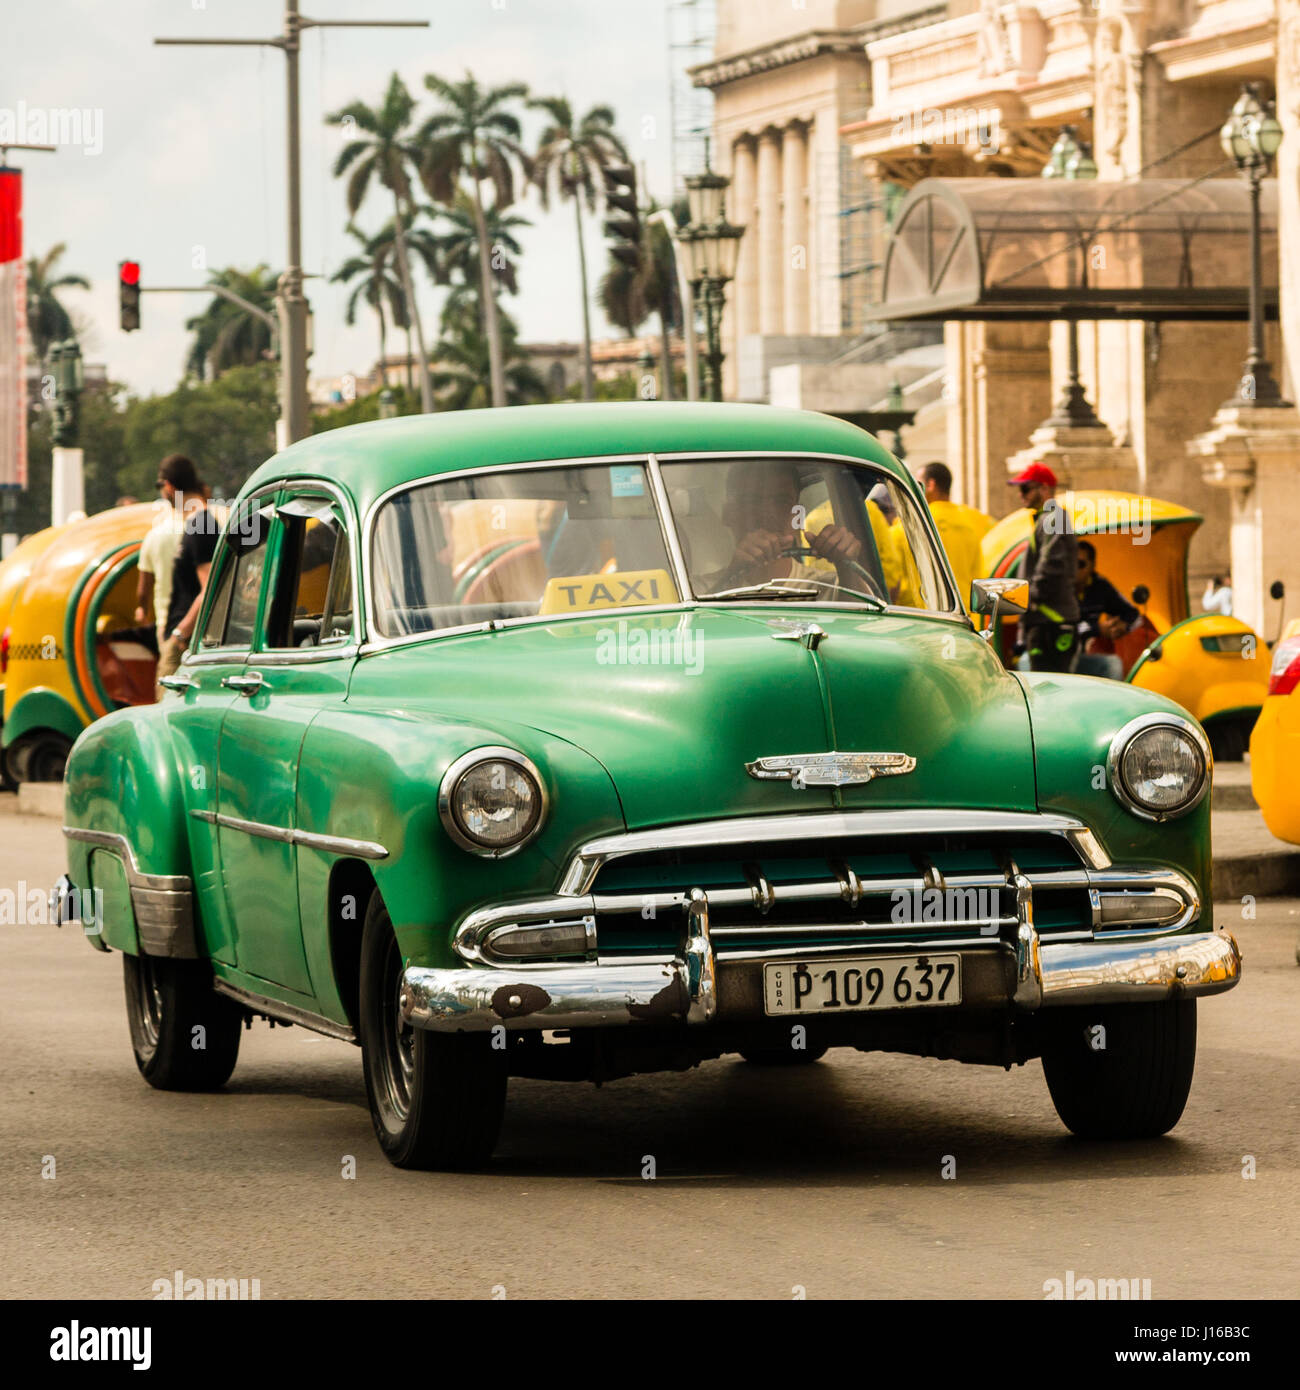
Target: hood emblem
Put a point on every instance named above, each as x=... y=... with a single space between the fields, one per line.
x=795 y=630
x=830 y=769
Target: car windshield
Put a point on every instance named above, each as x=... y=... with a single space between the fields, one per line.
x=538 y=542
x=800 y=530
x=519 y=543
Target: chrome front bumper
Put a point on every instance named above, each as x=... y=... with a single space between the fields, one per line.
x=479 y=998
x=1135 y=946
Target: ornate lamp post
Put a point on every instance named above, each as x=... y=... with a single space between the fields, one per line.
x=1071 y=158
x=1250 y=138
x=712 y=247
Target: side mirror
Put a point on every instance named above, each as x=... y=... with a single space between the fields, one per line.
x=1277 y=589
x=999 y=598
x=1141 y=594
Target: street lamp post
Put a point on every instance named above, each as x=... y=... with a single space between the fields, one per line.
x=1070 y=158
x=1250 y=138
x=67 y=463
x=712 y=247
x=294 y=314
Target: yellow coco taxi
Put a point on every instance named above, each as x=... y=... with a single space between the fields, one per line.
x=1216 y=667
x=1275 y=743
x=70 y=652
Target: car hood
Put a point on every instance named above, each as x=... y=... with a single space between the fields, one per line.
x=674 y=705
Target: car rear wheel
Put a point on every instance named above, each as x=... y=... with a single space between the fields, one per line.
x=1122 y=1071
x=436 y=1099
x=184 y=1035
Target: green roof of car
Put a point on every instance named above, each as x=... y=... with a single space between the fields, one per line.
x=369 y=459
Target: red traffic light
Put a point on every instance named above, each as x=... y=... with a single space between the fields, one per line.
x=129 y=272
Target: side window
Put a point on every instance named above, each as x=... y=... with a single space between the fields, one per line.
x=311 y=604
x=241 y=562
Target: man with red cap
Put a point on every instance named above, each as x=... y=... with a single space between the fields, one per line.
x=1050 y=629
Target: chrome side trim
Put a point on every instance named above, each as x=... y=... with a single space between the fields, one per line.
x=328 y=844
x=581 y=871
x=284 y=1013
x=162 y=904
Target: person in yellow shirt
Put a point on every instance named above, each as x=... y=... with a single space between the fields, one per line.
x=960 y=528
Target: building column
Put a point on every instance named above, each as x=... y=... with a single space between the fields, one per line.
x=794 y=185
x=740 y=311
x=771 y=280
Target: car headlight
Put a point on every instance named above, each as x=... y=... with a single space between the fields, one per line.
x=492 y=801
x=1159 y=766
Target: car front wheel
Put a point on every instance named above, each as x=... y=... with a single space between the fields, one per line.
x=184 y=1035
x=436 y=1100
x=1122 y=1071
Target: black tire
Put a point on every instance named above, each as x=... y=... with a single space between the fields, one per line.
x=436 y=1099
x=784 y=1056
x=166 y=1001
x=1135 y=1087
x=38 y=758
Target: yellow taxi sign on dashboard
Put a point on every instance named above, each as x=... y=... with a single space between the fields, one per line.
x=621 y=589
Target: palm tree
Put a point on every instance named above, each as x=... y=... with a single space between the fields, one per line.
x=458 y=245
x=463 y=372
x=47 y=319
x=475 y=134
x=384 y=152
x=378 y=283
x=569 y=161
x=227 y=335
x=630 y=294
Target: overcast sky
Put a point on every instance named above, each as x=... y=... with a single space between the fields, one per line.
x=192 y=158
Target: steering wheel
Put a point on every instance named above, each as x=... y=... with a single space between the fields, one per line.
x=806 y=552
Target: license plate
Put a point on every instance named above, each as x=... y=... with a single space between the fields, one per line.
x=853 y=986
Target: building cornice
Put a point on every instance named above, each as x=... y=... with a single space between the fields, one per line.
x=780 y=53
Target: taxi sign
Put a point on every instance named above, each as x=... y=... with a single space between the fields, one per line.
x=622 y=589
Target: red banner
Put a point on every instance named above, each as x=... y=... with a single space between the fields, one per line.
x=13 y=333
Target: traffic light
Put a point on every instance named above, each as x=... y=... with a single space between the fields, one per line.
x=624 y=232
x=128 y=294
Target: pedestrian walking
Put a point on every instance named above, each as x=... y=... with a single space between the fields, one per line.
x=1049 y=629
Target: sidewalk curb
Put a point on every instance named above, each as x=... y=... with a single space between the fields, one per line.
x=1257 y=876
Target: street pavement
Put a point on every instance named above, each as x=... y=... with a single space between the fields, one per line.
x=826 y=1181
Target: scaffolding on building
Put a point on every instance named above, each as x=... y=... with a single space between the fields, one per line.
x=691 y=26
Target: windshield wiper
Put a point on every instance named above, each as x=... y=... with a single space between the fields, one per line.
x=771 y=588
x=795 y=589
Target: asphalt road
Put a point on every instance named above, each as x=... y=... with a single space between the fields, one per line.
x=827 y=1181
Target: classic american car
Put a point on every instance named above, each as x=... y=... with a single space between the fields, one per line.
x=559 y=742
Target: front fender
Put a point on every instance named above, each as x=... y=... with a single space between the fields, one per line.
x=373 y=775
x=1074 y=719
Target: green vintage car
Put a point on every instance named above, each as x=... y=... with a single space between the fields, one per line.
x=578 y=741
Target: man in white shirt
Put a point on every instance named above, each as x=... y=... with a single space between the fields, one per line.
x=181 y=490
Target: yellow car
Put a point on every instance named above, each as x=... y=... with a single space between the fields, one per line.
x=1275 y=743
x=70 y=652
x=1217 y=668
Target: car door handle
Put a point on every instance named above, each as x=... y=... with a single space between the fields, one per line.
x=178 y=682
x=246 y=685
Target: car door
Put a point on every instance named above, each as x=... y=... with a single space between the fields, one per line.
x=302 y=649
x=219 y=651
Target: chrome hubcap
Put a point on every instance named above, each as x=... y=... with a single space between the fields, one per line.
x=150 y=1001
x=397 y=1058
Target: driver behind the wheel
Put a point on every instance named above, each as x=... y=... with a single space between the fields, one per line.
x=762 y=512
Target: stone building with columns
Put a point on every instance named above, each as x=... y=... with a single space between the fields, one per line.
x=977 y=89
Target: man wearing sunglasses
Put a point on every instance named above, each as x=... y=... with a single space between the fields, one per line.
x=1049 y=630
